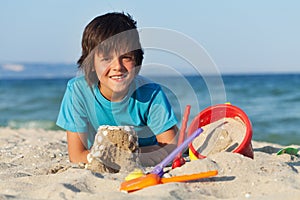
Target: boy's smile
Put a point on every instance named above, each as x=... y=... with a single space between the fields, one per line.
x=118 y=78
x=115 y=74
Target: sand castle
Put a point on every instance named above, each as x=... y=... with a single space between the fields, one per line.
x=115 y=149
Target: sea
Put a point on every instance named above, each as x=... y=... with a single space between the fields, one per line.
x=271 y=101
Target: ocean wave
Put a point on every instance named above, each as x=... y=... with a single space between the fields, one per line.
x=34 y=124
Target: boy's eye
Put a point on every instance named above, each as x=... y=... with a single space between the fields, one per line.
x=105 y=59
x=127 y=58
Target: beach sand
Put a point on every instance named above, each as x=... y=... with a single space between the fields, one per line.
x=34 y=165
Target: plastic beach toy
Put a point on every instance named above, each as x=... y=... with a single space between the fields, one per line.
x=288 y=150
x=215 y=113
x=154 y=179
x=135 y=174
x=158 y=169
x=179 y=160
x=176 y=154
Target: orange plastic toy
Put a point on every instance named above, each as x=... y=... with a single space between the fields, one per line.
x=154 y=179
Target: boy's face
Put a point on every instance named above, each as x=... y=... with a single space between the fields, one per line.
x=115 y=74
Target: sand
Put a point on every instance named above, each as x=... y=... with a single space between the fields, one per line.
x=225 y=134
x=34 y=165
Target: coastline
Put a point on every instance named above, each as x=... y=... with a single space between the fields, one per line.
x=34 y=165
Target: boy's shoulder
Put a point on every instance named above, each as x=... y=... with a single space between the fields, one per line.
x=142 y=81
x=78 y=81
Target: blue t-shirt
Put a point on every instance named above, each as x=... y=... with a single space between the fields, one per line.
x=146 y=108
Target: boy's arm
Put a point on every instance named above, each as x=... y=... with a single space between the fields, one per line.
x=167 y=142
x=77 y=147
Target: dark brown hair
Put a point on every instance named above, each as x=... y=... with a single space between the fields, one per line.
x=105 y=34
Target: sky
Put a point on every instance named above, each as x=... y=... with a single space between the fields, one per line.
x=238 y=36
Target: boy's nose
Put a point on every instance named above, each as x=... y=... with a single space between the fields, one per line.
x=117 y=64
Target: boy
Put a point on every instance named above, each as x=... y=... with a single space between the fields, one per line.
x=112 y=93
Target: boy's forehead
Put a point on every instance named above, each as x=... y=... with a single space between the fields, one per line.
x=114 y=52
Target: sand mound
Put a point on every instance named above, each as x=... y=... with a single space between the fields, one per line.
x=225 y=134
x=115 y=149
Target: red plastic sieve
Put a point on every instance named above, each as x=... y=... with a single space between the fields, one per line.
x=217 y=112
